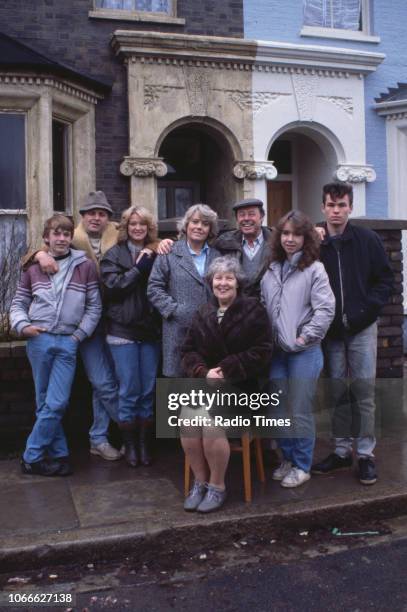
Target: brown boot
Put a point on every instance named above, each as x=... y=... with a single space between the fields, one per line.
x=130 y=449
x=144 y=439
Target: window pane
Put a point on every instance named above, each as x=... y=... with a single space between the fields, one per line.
x=155 y=6
x=183 y=200
x=12 y=161
x=162 y=203
x=13 y=245
x=59 y=164
x=342 y=14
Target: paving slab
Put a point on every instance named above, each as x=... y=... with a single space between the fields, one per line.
x=36 y=507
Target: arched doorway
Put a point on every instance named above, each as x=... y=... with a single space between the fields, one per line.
x=305 y=160
x=199 y=161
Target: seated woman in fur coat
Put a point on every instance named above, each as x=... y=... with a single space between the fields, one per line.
x=228 y=339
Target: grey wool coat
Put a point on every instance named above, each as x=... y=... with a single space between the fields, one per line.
x=176 y=290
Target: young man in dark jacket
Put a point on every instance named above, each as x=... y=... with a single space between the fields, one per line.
x=362 y=281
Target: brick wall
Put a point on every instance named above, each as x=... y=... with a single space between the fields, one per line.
x=16 y=391
x=62 y=30
x=390 y=354
x=390 y=342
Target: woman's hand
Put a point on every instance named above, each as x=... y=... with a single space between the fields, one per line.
x=300 y=340
x=144 y=252
x=145 y=261
x=215 y=373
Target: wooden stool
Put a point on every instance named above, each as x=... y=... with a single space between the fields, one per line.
x=244 y=448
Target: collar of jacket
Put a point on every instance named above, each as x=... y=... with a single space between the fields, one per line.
x=236 y=309
x=108 y=239
x=347 y=233
x=78 y=256
x=124 y=255
x=232 y=239
x=181 y=250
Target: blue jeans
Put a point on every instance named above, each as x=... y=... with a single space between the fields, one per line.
x=53 y=362
x=100 y=372
x=354 y=399
x=136 y=370
x=296 y=374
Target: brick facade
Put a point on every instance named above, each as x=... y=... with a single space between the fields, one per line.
x=63 y=31
x=390 y=354
x=390 y=342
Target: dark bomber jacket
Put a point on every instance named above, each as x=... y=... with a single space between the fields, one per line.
x=127 y=310
x=360 y=276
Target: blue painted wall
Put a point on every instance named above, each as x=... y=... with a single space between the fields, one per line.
x=282 y=21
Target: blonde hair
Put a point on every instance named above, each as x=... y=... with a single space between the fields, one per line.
x=145 y=216
x=206 y=213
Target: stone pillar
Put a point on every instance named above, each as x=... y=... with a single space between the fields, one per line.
x=39 y=144
x=143 y=172
x=255 y=175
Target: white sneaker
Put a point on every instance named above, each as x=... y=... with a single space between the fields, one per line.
x=295 y=478
x=282 y=470
x=106 y=451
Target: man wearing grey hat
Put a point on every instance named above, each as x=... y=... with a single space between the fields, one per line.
x=95 y=234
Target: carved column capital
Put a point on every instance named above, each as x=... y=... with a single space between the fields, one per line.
x=254 y=170
x=353 y=173
x=143 y=167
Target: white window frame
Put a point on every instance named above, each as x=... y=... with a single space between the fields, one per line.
x=145 y=16
x=41 y=99
x=18 y=211
x=364 y=35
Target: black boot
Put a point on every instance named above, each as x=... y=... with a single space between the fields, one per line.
x=130 y=450
x=145 y=441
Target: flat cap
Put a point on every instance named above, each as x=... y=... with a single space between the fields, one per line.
x=96 y=199
x=248 y=202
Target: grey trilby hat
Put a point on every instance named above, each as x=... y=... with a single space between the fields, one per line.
x=248 y=202
x=96 y=199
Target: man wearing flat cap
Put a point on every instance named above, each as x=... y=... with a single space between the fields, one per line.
x=95 y=234
x=249 y=243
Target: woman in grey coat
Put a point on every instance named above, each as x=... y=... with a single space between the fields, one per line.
x=300 y=304
x=176 y=286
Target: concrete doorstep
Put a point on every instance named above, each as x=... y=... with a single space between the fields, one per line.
x=106 y=509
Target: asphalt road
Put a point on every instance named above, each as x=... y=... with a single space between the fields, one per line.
x=297 y=571
x=370 y=578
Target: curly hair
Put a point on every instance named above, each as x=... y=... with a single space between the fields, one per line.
x=224 y=265
x=206 y=213
x=302 y=225
x=145 y=217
